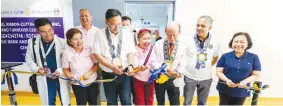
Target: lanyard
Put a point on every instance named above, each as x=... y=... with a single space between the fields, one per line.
x=112 y=47
x=45 y=54
x=205 y=45
x=174 y=52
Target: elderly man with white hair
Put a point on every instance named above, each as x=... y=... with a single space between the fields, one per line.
x=171 y=51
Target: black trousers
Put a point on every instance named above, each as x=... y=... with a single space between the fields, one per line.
x=172 y=91
x=229 y=100
x=86 y=94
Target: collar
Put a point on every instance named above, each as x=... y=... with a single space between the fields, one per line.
x=168 y=42
x=233 y=54
x=74 y=51
x=208 y=34
x=113 y=35
x=159 y=37
x=45 y=43
x=91 y=27
x=141 y=49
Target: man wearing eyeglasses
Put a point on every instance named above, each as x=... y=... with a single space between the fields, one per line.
x=114 y=50
x=44 y=56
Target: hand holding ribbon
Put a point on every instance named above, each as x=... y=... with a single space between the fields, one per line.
x=130 y=71
x=86 y=75
x=143 y=68
x=116 y=70
x=140 y=68
x=55 y=74
x=172 y=73
x=242 y=84
x=72 y=79
x=231 y=84
x=42 y=71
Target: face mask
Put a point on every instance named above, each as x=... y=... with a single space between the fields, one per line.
x=126 y=27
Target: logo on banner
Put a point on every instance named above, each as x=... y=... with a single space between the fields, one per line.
x=27 y=11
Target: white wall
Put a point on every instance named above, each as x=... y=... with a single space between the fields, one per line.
x=67 y=21
x=262 y=19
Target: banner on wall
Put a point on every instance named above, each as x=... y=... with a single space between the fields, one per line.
x=17 y=27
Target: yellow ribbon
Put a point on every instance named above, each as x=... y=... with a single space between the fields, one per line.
x=136 y=69
x=163 y=78
x=21 y=72
x=24 y=72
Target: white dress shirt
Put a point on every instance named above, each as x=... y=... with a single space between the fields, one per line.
x=179 y=62
x=100 y=46
x=88 y=36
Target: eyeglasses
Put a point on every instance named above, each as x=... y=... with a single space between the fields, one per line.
x=114 y=25
x=45 y=32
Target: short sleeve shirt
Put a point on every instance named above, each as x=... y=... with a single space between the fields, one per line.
x=101 y=46
x=237 y=69
x=79 y=63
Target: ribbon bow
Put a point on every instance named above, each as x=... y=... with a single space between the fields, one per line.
x=155 y=74
x=259 y=89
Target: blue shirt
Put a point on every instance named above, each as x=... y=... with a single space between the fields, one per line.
x=237 y=69
x=50 y=58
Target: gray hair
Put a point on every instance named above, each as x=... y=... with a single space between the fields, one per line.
x=84 y=9
x=208 y=18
